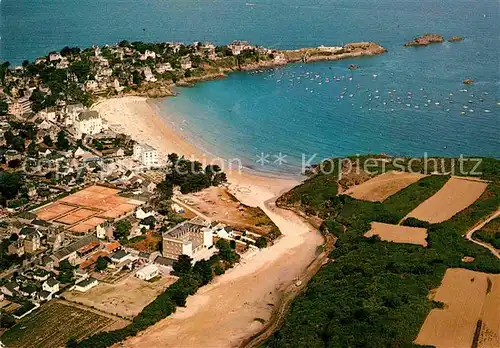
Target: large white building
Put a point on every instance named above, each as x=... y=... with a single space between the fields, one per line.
x=146 y=154
x=148 y=272
x=186 y=238
x=88 y=122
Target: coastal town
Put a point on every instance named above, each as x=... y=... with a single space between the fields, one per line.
x=113 y=231
x=87 y=211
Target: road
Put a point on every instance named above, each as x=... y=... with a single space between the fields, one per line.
x=478 y=227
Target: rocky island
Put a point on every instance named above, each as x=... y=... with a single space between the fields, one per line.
x=456 y=39
x=425 y=40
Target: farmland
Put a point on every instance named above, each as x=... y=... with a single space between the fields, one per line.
x=383 y=186
x=456 y=195
x=376 y=293
x=54 y=324
x=398 y=234
x=468 y=297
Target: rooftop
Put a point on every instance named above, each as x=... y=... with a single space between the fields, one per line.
x=51 y=282
x=164 y=261
x=75 y=246
x=87 y=115
x=86 y=282
x=181 y=229
x=119 y=255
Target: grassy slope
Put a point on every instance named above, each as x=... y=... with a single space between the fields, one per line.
x=375 y=293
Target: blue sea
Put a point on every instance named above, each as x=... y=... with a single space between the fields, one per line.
x=410 y=101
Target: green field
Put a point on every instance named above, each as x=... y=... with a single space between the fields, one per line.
x=375 y=294
x=52 y=325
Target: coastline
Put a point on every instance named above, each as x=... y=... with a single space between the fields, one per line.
x=138 y=117
x=255 y=287
x=281 y=58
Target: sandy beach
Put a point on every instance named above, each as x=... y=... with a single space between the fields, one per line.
x=136 y=117
x=223 y=313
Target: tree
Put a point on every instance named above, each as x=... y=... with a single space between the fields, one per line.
x=101 y=264
x=66 y=274
x=13 y=237
x=17 y=143
x=165 y=190
x=122 y=229
x=4 y=108
x=179 y=297
x=149 y=221
x=47 y=140
x=261 y=242
x=182 y=265
x=98 y=145
x=204 y=269
x=218 y=270
x=62 y=142
x=81 y=69
x=72 y=343
x=226 y=253
x=7 y=320
x=39 y=100
x=4 y=68
x=32 y=149
x=136 y=78
x=10 y=184
x=232 y=244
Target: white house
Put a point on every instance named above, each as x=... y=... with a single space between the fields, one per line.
x=238 y=46
x=143 y=213
x=145 y=154
x=186 y=63
x=44 y=295
x=224 y=232
x=79 y=152
x=148 y=272
x=86 y=284
x=161 y=68
x=72 y=111
x=91 y=85
x=121 y=256
x=147 y=54
x=88 y=122
x=51 y=285
x=148 y=74
x=47 y=115
x=54 y=56
x=104 y=231
x=62 y=64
